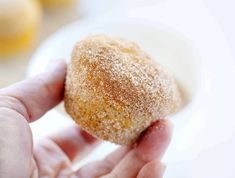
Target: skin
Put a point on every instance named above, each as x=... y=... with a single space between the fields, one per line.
x=53 y=157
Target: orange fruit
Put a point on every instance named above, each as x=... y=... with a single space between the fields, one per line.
x=19 y=25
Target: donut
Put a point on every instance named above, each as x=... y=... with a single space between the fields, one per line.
x=114 y=90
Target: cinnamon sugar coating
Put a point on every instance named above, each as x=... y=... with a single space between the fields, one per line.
x=114 y=90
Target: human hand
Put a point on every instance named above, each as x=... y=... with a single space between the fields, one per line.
x=53 y=157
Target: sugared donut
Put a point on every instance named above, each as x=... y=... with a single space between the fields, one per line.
x=114 y=90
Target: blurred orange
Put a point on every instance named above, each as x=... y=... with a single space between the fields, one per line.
x=19 y=25
x=56 y=3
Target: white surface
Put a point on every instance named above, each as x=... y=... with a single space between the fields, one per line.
x=202 y=148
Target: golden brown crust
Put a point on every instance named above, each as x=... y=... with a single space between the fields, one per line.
x=114 y=90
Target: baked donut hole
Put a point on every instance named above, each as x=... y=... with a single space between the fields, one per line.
x=115 y=90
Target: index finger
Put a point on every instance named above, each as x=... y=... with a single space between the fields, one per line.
x=33 y=97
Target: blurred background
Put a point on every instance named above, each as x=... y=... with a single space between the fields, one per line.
x=24 y=24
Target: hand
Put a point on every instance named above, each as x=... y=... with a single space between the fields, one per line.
x=53 y=157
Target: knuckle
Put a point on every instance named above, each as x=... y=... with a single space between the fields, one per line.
x=14 y=104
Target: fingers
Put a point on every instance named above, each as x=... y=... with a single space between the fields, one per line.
x=34 y=169
x=129 y=163
x=33 y=97
x=151 y=146
x=153 y=169
x=99 y=168
x=74 y=141
x=51 y=161
x=15 y=142
x=154 y=142
x=128 y=167
x=54 y=154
